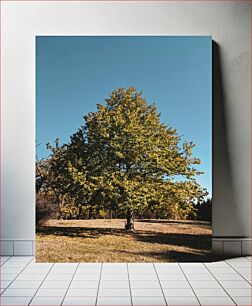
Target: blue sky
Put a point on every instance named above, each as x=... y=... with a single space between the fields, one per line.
x=73 y=73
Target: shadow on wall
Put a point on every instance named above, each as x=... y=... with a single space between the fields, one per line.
x=223 y=188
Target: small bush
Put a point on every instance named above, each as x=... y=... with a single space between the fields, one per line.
x=45 y=210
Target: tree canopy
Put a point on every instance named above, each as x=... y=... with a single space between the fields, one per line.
x=124 y=158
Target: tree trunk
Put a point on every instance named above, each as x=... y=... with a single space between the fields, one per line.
x=130 y=222
x=80 y=212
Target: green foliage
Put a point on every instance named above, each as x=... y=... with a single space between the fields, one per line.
x=122 y=158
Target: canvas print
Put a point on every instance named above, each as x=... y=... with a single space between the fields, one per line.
x=123 y=148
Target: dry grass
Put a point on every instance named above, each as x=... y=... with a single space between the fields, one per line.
x=107 y=241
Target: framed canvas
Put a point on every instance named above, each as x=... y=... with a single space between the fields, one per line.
x=123 y=148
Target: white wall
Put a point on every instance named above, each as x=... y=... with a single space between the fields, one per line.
x=229 y=25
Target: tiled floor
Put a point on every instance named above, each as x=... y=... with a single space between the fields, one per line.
x=24 y=282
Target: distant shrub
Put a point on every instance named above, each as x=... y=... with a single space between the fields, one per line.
x=45 y=209
x=204 y=210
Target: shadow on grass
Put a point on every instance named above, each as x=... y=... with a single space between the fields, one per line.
x=199 y=242
x=178 y=222
x=178 y=256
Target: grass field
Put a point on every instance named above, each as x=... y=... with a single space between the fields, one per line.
x=104 y=240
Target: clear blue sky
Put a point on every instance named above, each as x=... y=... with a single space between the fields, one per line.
x=73 y=73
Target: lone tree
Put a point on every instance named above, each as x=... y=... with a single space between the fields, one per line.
x=124 y=159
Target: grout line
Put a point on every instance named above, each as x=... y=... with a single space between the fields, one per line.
x=41 y=283
x=131 y=298
x=220 y=284
x=70 y=283
x=160 y=283
x=238 y=273
x=189 y=283
x=16 y=276
x=96 y=300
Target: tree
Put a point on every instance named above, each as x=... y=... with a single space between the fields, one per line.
x=123 y=158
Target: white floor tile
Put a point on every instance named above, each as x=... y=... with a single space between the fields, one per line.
x=140 y=270
x=58 y=277
x=139 y=276
x=4 y=258
x=241 y=264
x=114 y=284
x=201 y=276
x=221 y=300
x=84 y=284
x=239 y=291
x=235 y=284
x=80 y=301
x=36 y=270
x=7 y=276
x=109 y=301
x=62 y=270
x=220 y=270
x=25 y=284
x=139 y=265
x=195 y=270
x=114 y=292
x=178 y=292
x=248 y=277
x=30 y=276
x=14 y=264
x=237 y=259
x=82 y=292
x=40 y=265
x=152 y=301
x=92 y=264
x=118 y=277
x=146 y=292
x=210 y=292
x=5 y=283
x=117 y=270
x=191 y=264
x=145 y=284
x=204 y=284
x=21 y=258
x=190 y=300
x=175 y=284
x=66 y=265
x=51 y=292
x=19 y=292
x=87 y=277
x=217 y=264
x=163 y=270
x=55 y=284
x=9 y=270
x=89 y=270
x=47 y=300
x=243 y=270
x=172 y=276
x=229 y=276
x=243 y=300
x=166 y=264
x=15 y=300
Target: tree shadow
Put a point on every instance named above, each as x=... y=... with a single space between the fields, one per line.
x=194 y=222
x=179 y=256
x=199 y=242
x=81 y=232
